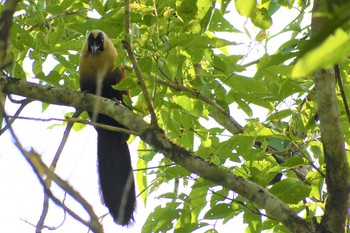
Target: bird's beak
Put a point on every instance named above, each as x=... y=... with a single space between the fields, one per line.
x=94 y=49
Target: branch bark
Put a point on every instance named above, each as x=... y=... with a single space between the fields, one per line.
x=274 y=207
x=337 y=165
x=5 y=25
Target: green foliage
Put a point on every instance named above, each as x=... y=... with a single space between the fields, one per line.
x=334 y=48
x=180 y=44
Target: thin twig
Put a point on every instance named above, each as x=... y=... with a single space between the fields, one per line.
x=342 y=91
x=48 y=181
x=19 y=110
x=77 y=120
x=40 y=225
x=64 y=140
x=41 y=170
x=155 y=167
x=103 y=126
x=127 y=47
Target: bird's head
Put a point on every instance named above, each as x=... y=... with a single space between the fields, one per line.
x=95 y=42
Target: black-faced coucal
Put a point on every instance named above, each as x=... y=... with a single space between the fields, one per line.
x=97 y=75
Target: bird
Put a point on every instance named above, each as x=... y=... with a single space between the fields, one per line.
x=98 y=72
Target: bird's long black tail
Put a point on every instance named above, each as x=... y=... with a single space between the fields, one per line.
x=115 y=173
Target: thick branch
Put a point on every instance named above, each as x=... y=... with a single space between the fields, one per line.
x=274 y=207
x=5 y=25
x=337 y=165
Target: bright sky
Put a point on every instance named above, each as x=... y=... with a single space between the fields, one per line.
x=21 y=194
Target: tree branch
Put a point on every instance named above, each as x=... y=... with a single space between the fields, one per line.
x=153 y=136
x=220 y=115
x=127 y=47
x=10 y=121
x=337 y=165
x=5 y=25
x=53 y=165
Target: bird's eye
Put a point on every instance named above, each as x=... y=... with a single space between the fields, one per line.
x=100 y=38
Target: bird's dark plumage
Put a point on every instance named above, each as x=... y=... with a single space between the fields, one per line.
x=97 y=75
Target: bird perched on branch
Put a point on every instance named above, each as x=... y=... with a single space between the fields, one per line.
x=97 y=75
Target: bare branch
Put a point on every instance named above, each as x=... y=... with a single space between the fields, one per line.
x=19 y=110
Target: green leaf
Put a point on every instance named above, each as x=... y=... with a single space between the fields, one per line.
x=278 y=143
x=16 y=70
x=183 y=223
x=65 y=4
x=290 y=190
x=197 y=41
x=175 y=172
x=218 y=196
x=261 y=18
x=218 y=211
x=98 y=6
x=191 y=227
x=141 y=178
x=206 y=10
x=188 y=104
x=146 y=64
x=126 y=84
x=74 y=45
x=316 y=149
x=279 y=115
x=187 y=10
x=245 y=7
x=317 y=182
x=198 y=200
x=254 y=222
x=220 y=24
x=335 y=48
x=174 y=62
x=21 y=38
x=160 y=220
x=211 y=231
x=295 y=161
x=224 y=5
x=243 y=143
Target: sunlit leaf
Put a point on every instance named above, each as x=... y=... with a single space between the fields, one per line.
x=261 y=18
x=335 y=48
x=161 y=218
x=141 y=179
x=245 y=7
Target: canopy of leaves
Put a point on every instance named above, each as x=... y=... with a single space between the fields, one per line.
x=195 y=45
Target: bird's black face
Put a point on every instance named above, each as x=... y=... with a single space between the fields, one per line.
x=95 y=43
